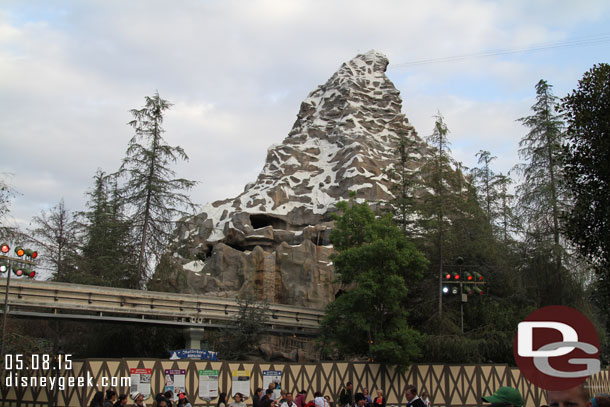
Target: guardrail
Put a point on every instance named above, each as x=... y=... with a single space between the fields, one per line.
x=76 y=301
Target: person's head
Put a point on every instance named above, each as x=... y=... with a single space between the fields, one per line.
x=138 y=398
x=601 y=401
x=360 y=399
x=411 y=392
x=575 y=397
x=424 y=395
x=379 y=393
x=269 y=392
x=168 y=395
x=258 y=392
x=288 y=396
x=272 y=385
x=123 y=399
x=505 y=396
x=365 y=391
x=162 y=403
x=237 y=397
x=349 y=385
x=182 y=398
x=327 y=398
x=273 y=403
x=111 y=395
x=98 y=398
x=317 y=394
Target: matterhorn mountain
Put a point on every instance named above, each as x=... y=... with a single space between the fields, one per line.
x=272 y=240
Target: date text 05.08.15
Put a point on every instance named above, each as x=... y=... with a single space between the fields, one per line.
x=36 y=361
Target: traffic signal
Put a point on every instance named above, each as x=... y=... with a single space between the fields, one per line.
x=448 y=276
x=29 y=273
x=32 y=254
x=477 y=290
x=3 y=266
x=468 y=276
x=456 y=276
x=477 y=276
x=19 y=251
x=19 y=271
x=4 y=248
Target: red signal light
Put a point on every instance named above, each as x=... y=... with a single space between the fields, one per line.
x=457 y=276
x=447 y=276
x=34 y=254
x=32 y=274
x=5 y=248
x=19 y=251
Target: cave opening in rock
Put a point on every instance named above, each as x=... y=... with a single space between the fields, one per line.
x=261 y=220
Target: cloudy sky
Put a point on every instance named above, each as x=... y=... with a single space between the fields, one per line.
x=236 y=72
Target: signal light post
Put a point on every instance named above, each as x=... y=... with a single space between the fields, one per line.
x=469 y=283
x=19 y=266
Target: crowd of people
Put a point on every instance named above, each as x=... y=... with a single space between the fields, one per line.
x=503 y=397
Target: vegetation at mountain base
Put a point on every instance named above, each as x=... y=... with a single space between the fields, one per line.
x=376 y=259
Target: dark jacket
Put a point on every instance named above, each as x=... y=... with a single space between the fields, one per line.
x=346 y=397
x=416 y=403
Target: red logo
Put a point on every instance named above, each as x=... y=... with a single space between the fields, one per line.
x=556 y=348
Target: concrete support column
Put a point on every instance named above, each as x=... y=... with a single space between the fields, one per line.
x=193 y=337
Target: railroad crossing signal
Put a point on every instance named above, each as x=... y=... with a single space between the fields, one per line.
x=20 y=265
x=469 y=283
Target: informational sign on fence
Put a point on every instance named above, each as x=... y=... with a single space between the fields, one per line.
x=140 y=381
x=208 y=384
x=241 y=382
x=273 y=376
x=175 y=381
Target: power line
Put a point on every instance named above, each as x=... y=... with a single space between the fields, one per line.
x=595 y=39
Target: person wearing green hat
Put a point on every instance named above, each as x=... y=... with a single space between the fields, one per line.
x=504 y=397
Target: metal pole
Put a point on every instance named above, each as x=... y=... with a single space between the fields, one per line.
x=6 y=308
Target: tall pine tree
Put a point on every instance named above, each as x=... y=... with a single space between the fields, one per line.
x=541 y=195
x=151 y=193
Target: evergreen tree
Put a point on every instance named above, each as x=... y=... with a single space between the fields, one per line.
x=378 y=264
x=504 y=207
x=404 y=183
x=56 y=231
x=541 y=195
x=435 y=214
x=151 y=193
x=108 y=252
x=484 y=180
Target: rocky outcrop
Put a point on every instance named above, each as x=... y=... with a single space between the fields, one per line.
x=273 y=239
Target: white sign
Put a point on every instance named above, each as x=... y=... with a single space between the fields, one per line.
x=241 y=382
x=140 y=381
x=208 y=384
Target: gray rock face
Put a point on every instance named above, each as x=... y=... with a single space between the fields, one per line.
x=273 y=239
